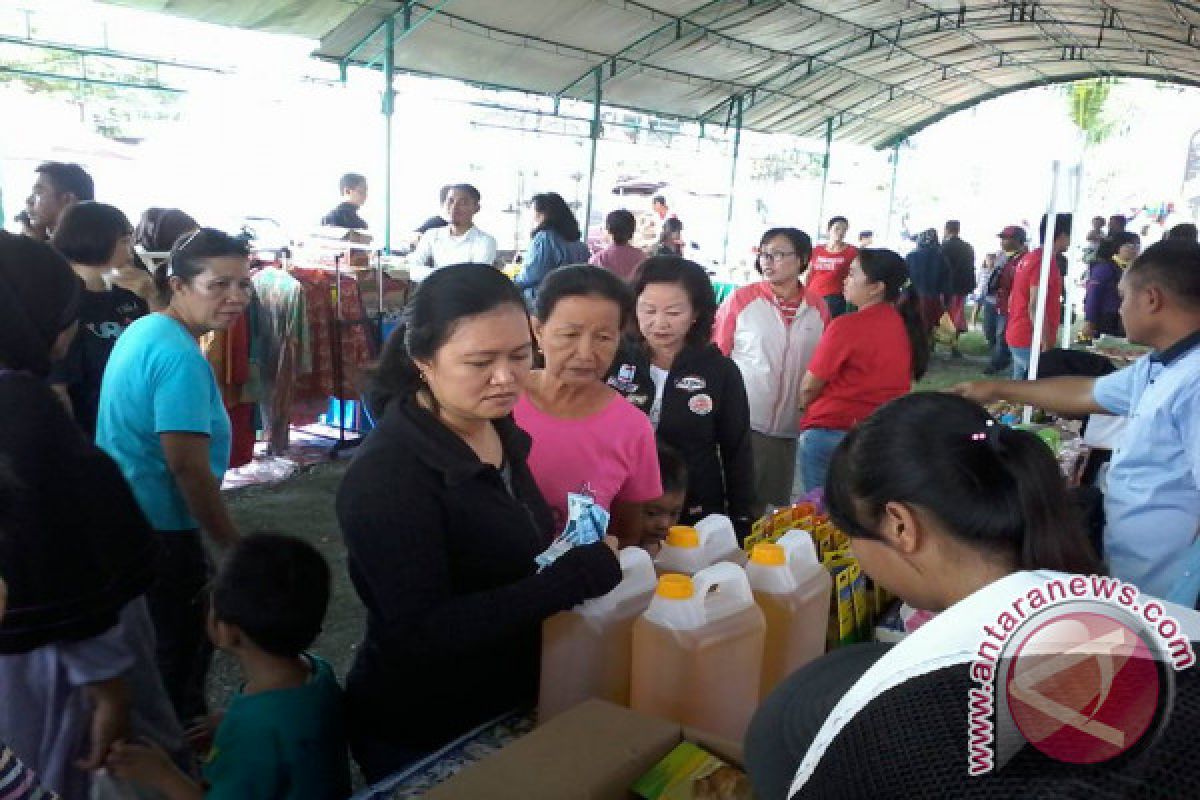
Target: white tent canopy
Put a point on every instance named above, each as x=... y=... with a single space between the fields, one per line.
x=867 y=72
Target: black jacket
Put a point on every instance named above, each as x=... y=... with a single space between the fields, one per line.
x=345 y=216
x=74 y=545
x=442 y=556
x=706 y=417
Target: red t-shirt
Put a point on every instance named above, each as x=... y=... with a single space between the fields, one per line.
x=1020 y=324
x=827 y=271
x=865 y=360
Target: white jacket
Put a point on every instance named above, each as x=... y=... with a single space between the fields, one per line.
x=772 y=354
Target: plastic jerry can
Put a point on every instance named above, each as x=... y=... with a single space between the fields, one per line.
x=793 y=589
x=586 y=652
x=687 y=550
x=697 y=652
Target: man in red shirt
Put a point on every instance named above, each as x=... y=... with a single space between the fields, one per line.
x=830 y=265
x=1012 y=250
x=1024 y=299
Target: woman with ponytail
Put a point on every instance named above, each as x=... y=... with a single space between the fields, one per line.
x=864 y=360
x=443 y=521
x=956 y=515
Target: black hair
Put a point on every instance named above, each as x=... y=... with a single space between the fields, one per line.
x=1173 y=264
x=1062 y=224
x=864 y=234
x=160 y=228
x=621 y=224
x=556 y=216
x=1110 y=245
x=582 y=280
x=444 y=192
x=658 y=198
x=801 y=243
x=1120 y=218
x=470 y=190
x=672 y=225
x=69 y=179
x=189 y=254
x=890 y=269
x=992 y=488
x=835 y=220
x=350 y=181
x=443 y=300
x=275 y=589
x=672 y=467
x=953 y=226
x=1185 y=231
x=87 y=233
x=694 y=280
x=39 y=299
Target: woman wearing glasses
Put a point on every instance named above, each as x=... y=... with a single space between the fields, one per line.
x=163 y=421
x=770 y=330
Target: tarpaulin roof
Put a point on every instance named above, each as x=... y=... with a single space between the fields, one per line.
x=875 y=71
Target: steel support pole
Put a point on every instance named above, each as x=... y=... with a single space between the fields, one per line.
x=737 y=146
x=389 y=107
x=595 y=136
x=825 y=174
x=887 y=235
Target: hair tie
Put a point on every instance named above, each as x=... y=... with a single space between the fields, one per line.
x=990 y=434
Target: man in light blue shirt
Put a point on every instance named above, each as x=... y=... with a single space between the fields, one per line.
x=1152 y=491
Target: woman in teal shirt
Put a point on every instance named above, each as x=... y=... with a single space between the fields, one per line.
x=162 y=420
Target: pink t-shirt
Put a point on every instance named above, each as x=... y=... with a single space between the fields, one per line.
x=612 y=452
x=619 y=259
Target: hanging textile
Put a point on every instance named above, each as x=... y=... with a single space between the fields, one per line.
x=287 y=354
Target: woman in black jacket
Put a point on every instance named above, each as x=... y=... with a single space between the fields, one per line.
x=693 y=393
x=443 y=521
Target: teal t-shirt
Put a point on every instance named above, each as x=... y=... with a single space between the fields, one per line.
x=158 y=381
x=288 y=744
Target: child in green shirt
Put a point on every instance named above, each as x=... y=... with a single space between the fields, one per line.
x=282 y=737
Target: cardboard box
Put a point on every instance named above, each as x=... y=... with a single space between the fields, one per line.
x=595 y=751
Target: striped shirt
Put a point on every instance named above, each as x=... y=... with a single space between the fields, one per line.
x=17 y=782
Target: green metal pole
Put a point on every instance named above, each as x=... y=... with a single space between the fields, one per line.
x=389 y=106
x=587 y=216
x=737 y=146
x=825 y=174
x=887 y=236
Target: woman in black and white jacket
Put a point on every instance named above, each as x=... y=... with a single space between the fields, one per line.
x=693 y=393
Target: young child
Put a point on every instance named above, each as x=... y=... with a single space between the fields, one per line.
x=282 y=736
x=660 y=514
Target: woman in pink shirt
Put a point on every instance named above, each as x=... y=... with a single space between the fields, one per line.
x=586 y=437
x=620 y=258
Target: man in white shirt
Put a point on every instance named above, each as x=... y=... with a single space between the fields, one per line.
x=460 y=242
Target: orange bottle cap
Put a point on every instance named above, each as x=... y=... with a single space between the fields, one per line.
x=683 y=536
x=675 y=587
x=769 y=555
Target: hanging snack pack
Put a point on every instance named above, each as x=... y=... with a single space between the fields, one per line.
x=586 y=524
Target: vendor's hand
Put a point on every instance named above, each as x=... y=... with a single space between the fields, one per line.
x=982 y=392
x=110 y=720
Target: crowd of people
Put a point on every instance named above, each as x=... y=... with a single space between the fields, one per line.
x=612 y=375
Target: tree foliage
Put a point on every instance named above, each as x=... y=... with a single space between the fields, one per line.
x=1086 y=106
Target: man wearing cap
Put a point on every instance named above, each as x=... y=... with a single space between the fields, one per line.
x=1012 y=249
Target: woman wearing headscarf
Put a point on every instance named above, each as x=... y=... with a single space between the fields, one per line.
x=76 y=643
x=929 y=272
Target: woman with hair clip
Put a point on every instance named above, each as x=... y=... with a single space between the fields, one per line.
x=865 y=359
x=163 y=421
x=555 y=243
x=443 y=521
x=953 y=513
x=76 y=555
x=693 y=392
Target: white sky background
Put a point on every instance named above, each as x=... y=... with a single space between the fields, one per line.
x=268 y=140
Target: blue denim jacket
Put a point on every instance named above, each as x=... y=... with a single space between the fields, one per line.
x=547 y=251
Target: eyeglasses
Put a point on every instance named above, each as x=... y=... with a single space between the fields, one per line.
x=775 y=256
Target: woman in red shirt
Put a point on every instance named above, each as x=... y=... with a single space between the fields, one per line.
x=865 y=359
x=830 y=265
